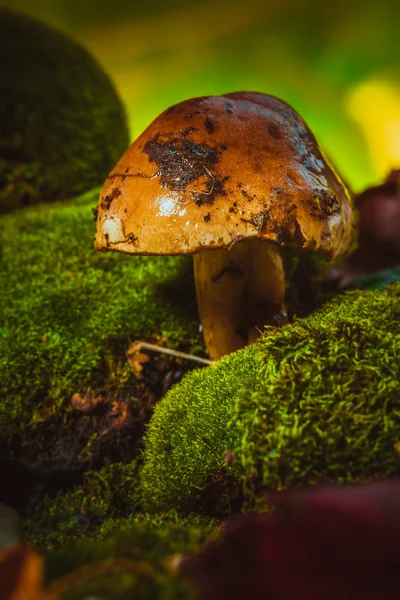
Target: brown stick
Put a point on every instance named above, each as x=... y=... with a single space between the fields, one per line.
x=138 y=346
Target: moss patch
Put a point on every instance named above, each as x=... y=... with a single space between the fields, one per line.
x=65 y=126
x=68 y=316
x=99 y=538
x=317 y=400
x=133 y=562
x=106 y=497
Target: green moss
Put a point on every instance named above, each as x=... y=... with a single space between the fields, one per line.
x=106 y=497
x=317 y=400
x=65 y=126
x=109 y=500
x=100 y=526
x=146 y=545
x=165 y=535
x=69 y=313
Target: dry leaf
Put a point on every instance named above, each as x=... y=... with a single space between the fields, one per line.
x=86 y=403
x=122 y=414
x=21 y=574
x=135 y=357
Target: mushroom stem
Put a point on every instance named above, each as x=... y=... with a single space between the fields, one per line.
x=238 y=292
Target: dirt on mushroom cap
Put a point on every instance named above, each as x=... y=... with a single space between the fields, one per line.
x=215 y=170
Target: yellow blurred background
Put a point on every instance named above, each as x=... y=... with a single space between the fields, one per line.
x=337 y=63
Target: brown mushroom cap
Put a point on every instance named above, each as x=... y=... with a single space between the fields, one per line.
x=215 y=170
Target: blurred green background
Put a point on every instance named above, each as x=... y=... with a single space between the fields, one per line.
x=337 y=63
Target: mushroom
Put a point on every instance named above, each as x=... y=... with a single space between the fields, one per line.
x=230 y=179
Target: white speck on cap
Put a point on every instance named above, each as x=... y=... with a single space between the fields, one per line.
x=113 y=229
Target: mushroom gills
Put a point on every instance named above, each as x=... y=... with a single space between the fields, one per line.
x=238 y=292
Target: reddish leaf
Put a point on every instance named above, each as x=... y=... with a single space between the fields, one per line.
x=324 y=543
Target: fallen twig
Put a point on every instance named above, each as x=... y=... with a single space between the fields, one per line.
x=136 y=349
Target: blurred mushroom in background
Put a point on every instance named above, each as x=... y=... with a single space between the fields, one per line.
x=378 y=232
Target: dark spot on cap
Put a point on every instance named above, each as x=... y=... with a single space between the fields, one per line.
x=95 y=212
x=207 y=217
x=260 y=221
x=325 y=204
x=131 y=237
x=125 y=175
x=329 y=203
x=209 y=124
x=192 y=114
x=224 y=147
x=126 y=170
x=180 y=162
x=229 y=107
x=274 y=131
x=106 y=201
x=214 y=186
x=276 y=190
x=319 y=216
x=246 y=195
x=188 y=130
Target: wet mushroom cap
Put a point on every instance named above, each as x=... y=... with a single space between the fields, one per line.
x=212 y=171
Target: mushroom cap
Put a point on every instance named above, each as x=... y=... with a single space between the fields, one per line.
x=216 y=170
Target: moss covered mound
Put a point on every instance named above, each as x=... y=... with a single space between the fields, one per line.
x=62 y=124
x=68 y=314
x=317 y=400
